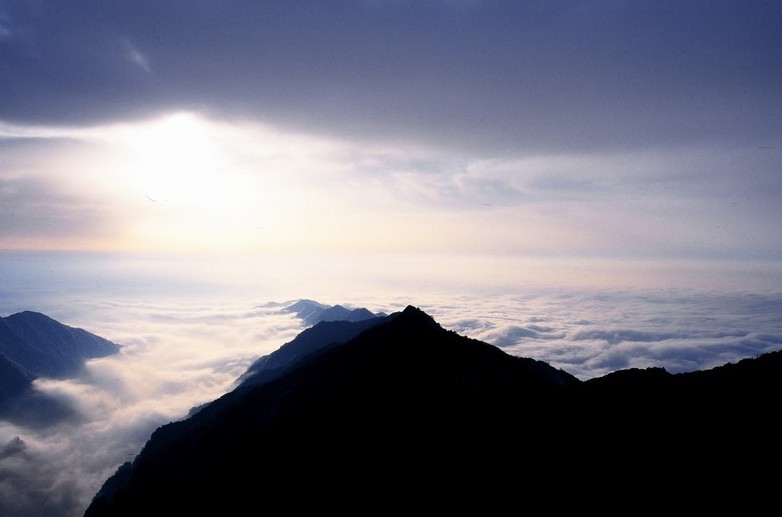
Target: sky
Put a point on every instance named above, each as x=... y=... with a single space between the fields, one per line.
x=557 y=130
x=592 y=184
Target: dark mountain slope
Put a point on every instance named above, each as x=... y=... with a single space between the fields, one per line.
x=34 y=345
x=340 y=313
x=48 y=348
x=13 y=379
x=408 y=416
x=396 y=412
x=733 y=402
x=323 y=334
x=308 y=310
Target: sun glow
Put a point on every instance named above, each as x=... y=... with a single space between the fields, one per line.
x=177 y=160
x=196 y=184
x=187 y=183
x=193 y=184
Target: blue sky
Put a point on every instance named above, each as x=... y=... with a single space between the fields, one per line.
x=630 y=131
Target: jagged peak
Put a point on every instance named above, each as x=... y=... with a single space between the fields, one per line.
x=414 y=314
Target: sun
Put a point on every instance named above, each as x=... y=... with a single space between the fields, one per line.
x=176 y=159
x=184 y=182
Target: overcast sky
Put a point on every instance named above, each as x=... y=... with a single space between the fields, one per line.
x=643 y=130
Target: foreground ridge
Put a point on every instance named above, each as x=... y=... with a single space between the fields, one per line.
x=405 y=414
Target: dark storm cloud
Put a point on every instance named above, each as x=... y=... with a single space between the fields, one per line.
x=489 y=75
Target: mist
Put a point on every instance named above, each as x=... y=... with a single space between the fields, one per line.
x=173 y=357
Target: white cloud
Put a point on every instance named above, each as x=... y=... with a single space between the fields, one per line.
x=133 y=55
x=173 y=358
x=185 y=181
x=183 y=350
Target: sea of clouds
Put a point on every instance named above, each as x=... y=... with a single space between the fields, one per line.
x=186 y=347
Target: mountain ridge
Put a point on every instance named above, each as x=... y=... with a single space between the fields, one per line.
x=313 y=312
x=408 y=413
x=34 y=345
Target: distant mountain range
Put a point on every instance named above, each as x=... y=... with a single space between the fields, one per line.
x=337 y=328
x=313 y=312
x=396 y=414
x=34 y=345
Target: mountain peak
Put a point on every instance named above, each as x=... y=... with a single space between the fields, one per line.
x=34 y=345
x=48 y=348
x=413 y=311
x=416 y=318
x=405 y=407
x=313 y=312
x=370 y=397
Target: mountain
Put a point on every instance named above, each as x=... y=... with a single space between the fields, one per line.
x=405 y=415
x=34 y=345
x=13 y=379
x=334 y=325
x=322 y=335
x=313 y=312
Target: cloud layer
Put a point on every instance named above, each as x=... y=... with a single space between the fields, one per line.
x=183 y=345
x=615 y=129
x=480 y=74
x=173 y=358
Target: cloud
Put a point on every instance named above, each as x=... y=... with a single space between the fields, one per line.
x=185 y=347
x=512 y=335
x=482 y=76
x=593 y=332
x=184 y=181
x=613 y=337
x=174 y=357
x=133 y=55
x=35 y=209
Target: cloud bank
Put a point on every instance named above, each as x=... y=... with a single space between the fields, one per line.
x=577 y=76
x=180 y=352
x=173 y=358
x=622 y=130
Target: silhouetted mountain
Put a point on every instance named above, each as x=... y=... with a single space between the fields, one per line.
x=313 y=339
x=13 y=379
x=405 y=415
x=306 y=309
x=34 y=345
x=313 y=312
